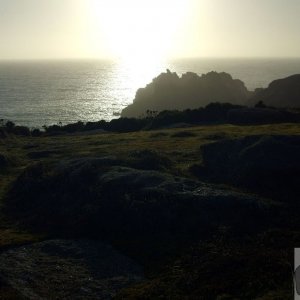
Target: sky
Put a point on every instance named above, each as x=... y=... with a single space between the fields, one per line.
x=154 y=29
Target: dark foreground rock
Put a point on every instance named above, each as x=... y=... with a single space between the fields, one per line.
x=3 y=161
x=92 y=197
x=68 y=269
x=265 y=164
x=169 y=91
x=280 y=93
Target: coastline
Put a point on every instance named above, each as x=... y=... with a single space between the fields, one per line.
x=35 y=96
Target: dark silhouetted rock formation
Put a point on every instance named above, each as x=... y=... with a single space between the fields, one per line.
x=169 y=91
x=280 y=93
x=269 y=165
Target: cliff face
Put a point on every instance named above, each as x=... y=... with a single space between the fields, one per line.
x=280 y=93
x=168 y=91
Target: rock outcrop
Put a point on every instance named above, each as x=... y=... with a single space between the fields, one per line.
x=3 y=161
x=68 y=269
x=280 y=93
x=264 y=164
x=169 y=91
x=88 y=197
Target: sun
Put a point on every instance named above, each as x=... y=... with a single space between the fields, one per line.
x=138 y=30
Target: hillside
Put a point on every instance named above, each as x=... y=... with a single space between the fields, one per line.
x=145 y=196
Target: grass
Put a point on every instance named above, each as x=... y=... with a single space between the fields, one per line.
x=121 y=144
x=181 y=147
x=183 y=152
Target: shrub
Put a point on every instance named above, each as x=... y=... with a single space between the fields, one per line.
x=79 y=126
x=21 y=130
x=36 y=132
x=9 y=125
x=96 y=125
x=126 y=124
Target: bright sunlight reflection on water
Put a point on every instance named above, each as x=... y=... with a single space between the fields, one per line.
x=132 y=75
x=46 y=92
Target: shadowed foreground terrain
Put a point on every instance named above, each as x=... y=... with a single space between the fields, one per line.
x=199 y=212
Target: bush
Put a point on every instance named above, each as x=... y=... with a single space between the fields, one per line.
x=96 y=125
x=79 y=126
x=127 y=125
x=9 y=126
x=21 y=130
x=36 y=132
x=212 y=113
x=52 y=129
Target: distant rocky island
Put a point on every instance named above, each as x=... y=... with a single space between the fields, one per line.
x=169 y=91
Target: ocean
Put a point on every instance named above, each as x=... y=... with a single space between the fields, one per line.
x=37 y=93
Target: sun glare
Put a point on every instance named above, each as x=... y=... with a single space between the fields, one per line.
x=137 y=30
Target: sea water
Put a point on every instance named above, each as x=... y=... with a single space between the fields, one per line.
x=37 y=93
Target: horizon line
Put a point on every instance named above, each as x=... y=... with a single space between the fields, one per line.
x=119 y=60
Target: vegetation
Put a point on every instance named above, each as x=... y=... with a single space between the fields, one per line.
x=178 y=266
x=213 y=113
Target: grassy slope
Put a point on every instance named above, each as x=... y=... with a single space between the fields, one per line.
x=180 y=145
x=182 y=148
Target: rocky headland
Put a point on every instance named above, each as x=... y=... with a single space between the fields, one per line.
x=280 y=93
x=169 y=91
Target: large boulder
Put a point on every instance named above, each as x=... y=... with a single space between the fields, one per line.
x=97 y=197
x=266 y=164
x=280 y=93
x=169 y=91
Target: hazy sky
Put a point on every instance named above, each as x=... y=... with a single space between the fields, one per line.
x=149 y=28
